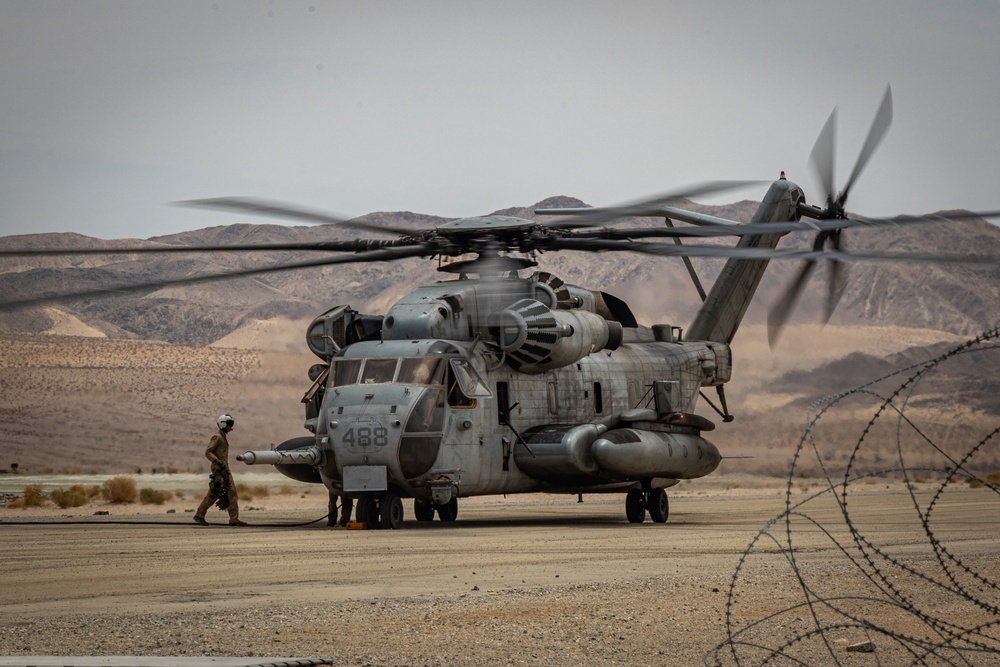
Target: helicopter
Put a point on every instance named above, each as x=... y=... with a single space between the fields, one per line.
x=497 y=381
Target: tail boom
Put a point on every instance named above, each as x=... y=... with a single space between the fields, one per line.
x=721 y=314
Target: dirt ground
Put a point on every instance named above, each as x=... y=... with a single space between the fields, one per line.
x=522 y=580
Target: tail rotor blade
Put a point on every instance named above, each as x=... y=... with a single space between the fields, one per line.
x=782 y=309
x=838 y=280
x=883 y=119
x=823 y=155
x=823 y=161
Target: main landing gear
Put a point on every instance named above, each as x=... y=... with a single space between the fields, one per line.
x=424 y=509
x=638 y=501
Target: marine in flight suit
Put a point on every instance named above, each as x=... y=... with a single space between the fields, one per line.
x=222 y=488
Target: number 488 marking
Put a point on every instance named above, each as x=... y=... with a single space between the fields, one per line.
x=367 y=435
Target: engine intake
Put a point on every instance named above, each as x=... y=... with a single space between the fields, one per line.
x=537 y=339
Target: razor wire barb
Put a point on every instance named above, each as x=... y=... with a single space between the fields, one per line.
x=889 y=602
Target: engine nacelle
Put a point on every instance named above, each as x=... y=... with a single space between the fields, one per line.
x=536 y=338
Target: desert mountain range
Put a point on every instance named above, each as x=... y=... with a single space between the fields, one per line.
x=187 y=353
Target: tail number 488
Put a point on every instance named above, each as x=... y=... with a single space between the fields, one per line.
x=366 y=436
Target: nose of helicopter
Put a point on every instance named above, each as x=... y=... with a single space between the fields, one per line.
x=398 y=427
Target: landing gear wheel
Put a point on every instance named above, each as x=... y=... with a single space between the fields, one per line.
x=635 y=508
x=367 y=512
x=392 y=511
x=448 y=511
x=423 y=509
x=659 y=509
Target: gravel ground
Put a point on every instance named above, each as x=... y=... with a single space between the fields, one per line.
x=529 y=580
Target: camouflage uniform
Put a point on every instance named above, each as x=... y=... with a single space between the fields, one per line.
x=218 y=454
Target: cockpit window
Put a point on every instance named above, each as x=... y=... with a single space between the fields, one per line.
x=378 y=371
x=344 y=371
x=423 y=370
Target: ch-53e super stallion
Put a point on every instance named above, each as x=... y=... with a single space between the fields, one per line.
x=517 y=382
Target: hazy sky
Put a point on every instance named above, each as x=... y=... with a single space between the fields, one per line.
x=110 y=110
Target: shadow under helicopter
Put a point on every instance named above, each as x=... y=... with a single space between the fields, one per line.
x=550 y=521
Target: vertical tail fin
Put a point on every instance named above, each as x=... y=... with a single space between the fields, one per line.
x=721 y=314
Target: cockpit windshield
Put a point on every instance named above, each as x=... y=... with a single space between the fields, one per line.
x=422 y=370
x=344 y=371
x=412 y=371
x=463 y=384
x=378 y=371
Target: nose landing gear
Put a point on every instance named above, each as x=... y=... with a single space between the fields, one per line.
x=381 y=510
x=385 y=510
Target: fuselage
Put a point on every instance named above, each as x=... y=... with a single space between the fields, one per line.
x=427 y=409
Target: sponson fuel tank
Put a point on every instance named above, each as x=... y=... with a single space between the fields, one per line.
x=633 y=453
x=558 y=450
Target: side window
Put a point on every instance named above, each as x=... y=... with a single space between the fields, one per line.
x=598 y=398
x=464 y=385
x=468 y=379
x=456 y=397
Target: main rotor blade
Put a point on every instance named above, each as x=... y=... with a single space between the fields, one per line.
x=883 y=119
x=689 y=265
x=363 y=245
x=272 y=209
x=824 y=225
x=360 y=245
x=382 y=255
x=728 y=252
x=823 y=155
x=600 y=216
x=782 y=308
